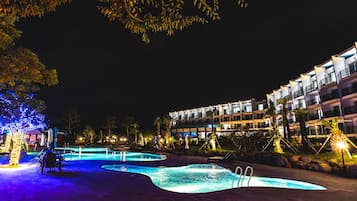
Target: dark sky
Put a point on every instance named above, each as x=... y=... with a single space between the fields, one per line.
x=103 y=69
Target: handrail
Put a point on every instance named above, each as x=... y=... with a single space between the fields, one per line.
x=250 y=175
x=242 y=177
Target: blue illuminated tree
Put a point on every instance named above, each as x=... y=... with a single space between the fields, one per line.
x=20 y=112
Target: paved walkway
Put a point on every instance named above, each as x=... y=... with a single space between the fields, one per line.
x=86 y=181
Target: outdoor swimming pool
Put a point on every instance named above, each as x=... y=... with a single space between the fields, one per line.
x=203 y=178
x=102 y=153
x=114 y=156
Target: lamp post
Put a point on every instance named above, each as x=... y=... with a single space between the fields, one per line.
x=342 y=146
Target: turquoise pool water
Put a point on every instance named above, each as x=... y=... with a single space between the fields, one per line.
x=203 y=178
x=114 y=156
x=82 y=149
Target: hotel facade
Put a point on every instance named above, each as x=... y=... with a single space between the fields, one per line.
x=328 y=91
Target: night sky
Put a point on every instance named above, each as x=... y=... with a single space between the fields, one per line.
x=103 y=69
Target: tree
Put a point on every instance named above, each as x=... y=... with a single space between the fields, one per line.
x=89 y=134
x=284 y=114
x=213 y=138
x=135 y=126
x=338 y=140
x=138 y=16
x=301 y=115
x=71 y=120
x=20 y=67
x=110 y=123
x=20 y=112
x=157 y=123
x=126 y=123
x=271 y=114
x=25 y=8
x=166 y=121
x=21 y=72
x=145 y=16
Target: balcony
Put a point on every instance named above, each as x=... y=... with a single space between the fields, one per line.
x=350 y=110
x=310 y=88
x=350 y=129
x=311 y=102
x=288 y=97
x=313 y=116
x=326 y=81
x=343 y=73
x=348 y=90
x=298 y=93
x=330 y=96
x=332 y=113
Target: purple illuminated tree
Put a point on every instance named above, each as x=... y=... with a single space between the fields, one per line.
x=20 y=112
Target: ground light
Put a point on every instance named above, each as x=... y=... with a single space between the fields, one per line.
x=342 y=146
x=23 y=166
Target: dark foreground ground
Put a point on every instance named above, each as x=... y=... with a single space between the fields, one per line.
x=86 y=181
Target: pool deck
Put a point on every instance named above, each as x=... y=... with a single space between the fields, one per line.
x=86 y=181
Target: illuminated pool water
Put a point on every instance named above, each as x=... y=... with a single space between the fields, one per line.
x=82 y=149
x=114 y=156
x=203 y=178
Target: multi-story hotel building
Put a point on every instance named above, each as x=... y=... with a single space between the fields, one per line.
x=327 y=91
x=239 y=116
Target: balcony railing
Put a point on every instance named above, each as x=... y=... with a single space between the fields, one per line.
x=311 y=102
x=298 y=93
x=343 y=73
x=331 y=113
x=288 y=97
x=348 y=90
x=350 y=110
x=310 y=88
x=313 y=116
x=330 y=96
x=350 y=129
x=326 y=81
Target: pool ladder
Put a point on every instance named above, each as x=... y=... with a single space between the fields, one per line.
x=242 y=175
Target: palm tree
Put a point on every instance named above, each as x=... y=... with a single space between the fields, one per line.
x=271 y=114
x=338 y=140
x=126 y=123
x=286 y=129
x=301 y=115
x=89 y=134
x=166 y=121
x=70 y=119
x=157 y=123
x=110 y=123
x=213 y=136
x=135 y=125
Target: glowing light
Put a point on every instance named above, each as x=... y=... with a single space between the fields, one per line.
x=16 y=148
x=341 y=145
